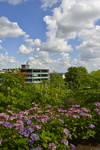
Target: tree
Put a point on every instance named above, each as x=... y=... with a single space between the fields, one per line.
x=95 y=79
x=56 y=80
x=77 y=77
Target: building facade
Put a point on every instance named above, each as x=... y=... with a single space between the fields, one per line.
x=35 y=75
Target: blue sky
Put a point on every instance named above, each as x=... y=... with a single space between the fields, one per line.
x=53 y=34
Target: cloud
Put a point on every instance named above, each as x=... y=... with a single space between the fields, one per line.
x=7 y=61
x=55 y=45
x=13 y=2
x=31 y=42
x=74 y=19
x=1 y=47
x=9 y=29
x=44 y=60
x=49 y=3
x=25 y=49
x=90 y=46
x=71 y=17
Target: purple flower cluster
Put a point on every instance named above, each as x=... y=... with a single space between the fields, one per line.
x=24 y=132
x=64 y=141
x=97 y=104
x=52 y=146
x=92 y=125
x=23 y=121
x=33 y=137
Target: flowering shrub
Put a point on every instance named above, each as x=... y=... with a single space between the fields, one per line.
x=48 y=128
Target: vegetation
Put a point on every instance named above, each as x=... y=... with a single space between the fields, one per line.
x=50 y=115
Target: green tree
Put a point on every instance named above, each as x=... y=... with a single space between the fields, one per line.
x=56 y=80
x=77 y=77
x=95 y=79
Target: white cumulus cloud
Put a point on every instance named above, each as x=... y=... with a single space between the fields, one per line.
x=49 y=3
x=14 y=2
x=7 y=61
x=56 y=45
x=25 y=49
x=9 y=29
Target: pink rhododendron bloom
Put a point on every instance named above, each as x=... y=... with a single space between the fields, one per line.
x=38 y=127
x=20 y=122
x=35 y=116
x=48 y=110
x=12 y=118
x=1 y=140
x=49 y=106
x=68 y=114
x=98 y=113
x=1 y=122
x=71 y=109
x=76 y=105
x=66 y=131
x=44 y=119
x=53 y=117
x=85 y=109
x=77 y=110
x=52 y=146
x=9 y=111
x=60 y=110
x=4 y=115
x=75 y=116
x=96 y=110
x=61 y=120
x=97 y=104
x=62 y=114
x=40 y=111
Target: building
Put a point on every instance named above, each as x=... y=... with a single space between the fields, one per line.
x=35 y=75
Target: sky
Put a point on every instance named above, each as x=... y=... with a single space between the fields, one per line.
x=50 y=34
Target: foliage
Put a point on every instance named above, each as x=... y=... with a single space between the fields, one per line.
x=76 y=77
x=53 y=120
x=56 y=80
x=85 y=96
x=50 y=127
x=95 y=79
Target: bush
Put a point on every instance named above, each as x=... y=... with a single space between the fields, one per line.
x=49 y=127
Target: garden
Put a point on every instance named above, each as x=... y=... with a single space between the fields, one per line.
x=51 y=115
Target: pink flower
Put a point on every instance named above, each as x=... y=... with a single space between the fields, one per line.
x=60 y=110
x=4 y=115
x=1 y=140
x=49 y=106
x=75 y=116
x=34 y=116
x=1 y=122
x=48 y=110
x=66 y=131
x=44 y=119
x=76 y=105
x=64 y=141
x=97 y=104
x=85 y=109
x=40 y=111
x=38 y=127
x=62 y=113
x=52 y=146
x=61 y=120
